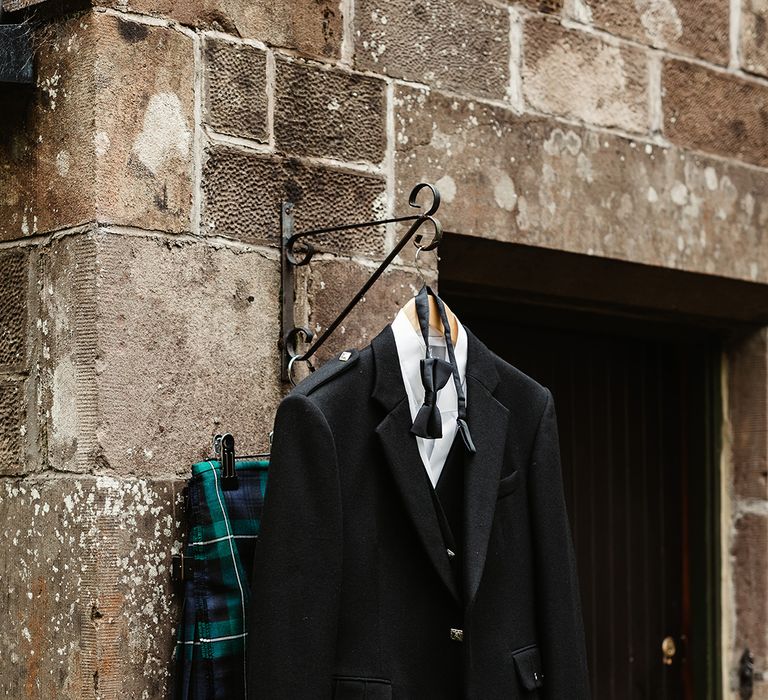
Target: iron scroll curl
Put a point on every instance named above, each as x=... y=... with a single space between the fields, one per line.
x=305 y=256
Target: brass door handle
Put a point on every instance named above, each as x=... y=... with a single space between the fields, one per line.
x=668 y=650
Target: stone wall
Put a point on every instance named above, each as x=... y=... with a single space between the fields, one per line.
x=140 y=183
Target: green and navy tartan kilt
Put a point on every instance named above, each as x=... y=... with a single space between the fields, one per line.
x=222 y=527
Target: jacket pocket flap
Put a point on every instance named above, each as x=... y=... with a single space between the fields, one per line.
x=509 y=483
x=528 y=665
x=357 y=688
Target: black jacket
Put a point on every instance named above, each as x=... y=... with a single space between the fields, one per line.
x=353 y=595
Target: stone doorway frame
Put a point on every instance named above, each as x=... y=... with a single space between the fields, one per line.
x=737 y=311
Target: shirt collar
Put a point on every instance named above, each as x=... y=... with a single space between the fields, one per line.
x=411 y=350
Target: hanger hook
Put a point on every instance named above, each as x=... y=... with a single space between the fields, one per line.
x=418 y=269
x=290 y=369
x=436 y=237
x=293 y=359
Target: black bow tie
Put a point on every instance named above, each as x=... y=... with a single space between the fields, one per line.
x=435 y=373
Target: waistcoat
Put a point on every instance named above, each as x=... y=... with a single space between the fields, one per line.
x=448 y=497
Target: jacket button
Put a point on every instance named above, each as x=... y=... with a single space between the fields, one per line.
x=457 y=635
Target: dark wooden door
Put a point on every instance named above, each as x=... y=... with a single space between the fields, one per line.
x=632 y=414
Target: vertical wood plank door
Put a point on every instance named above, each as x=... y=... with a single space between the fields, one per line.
x=632 y=416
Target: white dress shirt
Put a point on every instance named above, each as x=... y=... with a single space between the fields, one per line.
x=410 y=351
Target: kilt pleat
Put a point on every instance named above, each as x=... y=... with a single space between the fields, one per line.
x=222 y=528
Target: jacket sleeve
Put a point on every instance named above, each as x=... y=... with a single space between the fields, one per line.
x=295 y=585
x=558 y=603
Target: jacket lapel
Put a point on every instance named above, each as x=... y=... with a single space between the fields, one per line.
x=402 y=454
x=488 y=421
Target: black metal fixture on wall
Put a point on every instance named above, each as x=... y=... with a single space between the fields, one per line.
x=289 y=261
x=16 y=54
x=746 y=675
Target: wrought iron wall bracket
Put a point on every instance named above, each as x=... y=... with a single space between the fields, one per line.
x=290 y=259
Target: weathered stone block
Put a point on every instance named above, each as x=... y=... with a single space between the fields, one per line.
x=89 y=612
x=754 y=36
x=750 y=580
x=695 y=28
x=748 y=389
x=243 y=191
x=236 y=89
x=569 y=72
x=68 y=377
x=532 y=180
x=452 y=44
x=12 y=426
x=143 y=136
x=14 y=279
x=13 y=5
x=85 y=148
x=699 y=29
x=46 y=144
x=549 y=7
x=313 y=27
x=326 y=112
x=186 y=347
x=715 y=112
x=330 y=285
x=22 y=352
